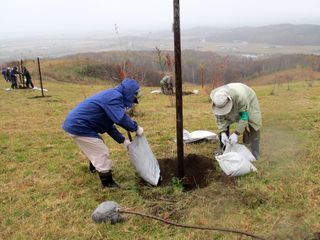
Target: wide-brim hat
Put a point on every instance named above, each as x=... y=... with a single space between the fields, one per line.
x=221 y=101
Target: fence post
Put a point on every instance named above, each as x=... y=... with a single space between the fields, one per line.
x=179 y=107
x=39 y=68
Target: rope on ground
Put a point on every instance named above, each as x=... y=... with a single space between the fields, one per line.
x=192 y=226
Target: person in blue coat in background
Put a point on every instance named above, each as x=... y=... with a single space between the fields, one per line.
x=98 y=114
x=13 y=77
x=4 y=74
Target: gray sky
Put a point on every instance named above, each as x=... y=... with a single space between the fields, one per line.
x=66 y=16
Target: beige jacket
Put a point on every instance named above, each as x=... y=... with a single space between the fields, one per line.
x=244 y=99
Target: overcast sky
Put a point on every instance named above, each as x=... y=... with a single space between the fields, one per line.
x=67 y=16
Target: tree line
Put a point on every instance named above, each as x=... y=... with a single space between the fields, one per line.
x=148 y=67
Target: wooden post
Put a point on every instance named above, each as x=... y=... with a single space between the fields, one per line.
x=19 y=70
x=179 y=109
x=39 y=68
x=21 y=64
x=202 y=76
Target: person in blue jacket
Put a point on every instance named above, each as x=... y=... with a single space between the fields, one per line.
x=4 y=74
x=98 y=114
x=13 y=77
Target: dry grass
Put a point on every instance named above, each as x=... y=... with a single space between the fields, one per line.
x=47 y=193
x=285 y=77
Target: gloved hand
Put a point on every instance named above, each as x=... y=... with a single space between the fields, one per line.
x=126 y=144
x=224 y=138
x=233 y=138
x=139 y=131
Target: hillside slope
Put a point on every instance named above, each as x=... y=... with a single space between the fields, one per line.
x=47 y=191
x=282 y=34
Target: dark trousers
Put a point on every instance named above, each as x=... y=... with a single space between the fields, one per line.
x=14 y=83
x=29 y=82
x=251 y=137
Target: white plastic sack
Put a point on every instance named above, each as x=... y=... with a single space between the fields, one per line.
x=144 y=160
x=198 y=135
x=156 y=92
x=39 y=89
x=236 y=160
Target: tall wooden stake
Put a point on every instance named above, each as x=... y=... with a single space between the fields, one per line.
x=202 y=76
x=20 y=70
x=179 y=109
x=21 y=64
x=39 y=68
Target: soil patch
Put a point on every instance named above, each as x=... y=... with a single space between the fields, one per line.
x=186 y=93
x=317 y=236
x=36 y=97
x=199 y=170
x=24 y=87
x=183 y=93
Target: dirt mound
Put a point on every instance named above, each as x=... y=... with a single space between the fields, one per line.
x=198 y=171
x=183 y=93
x=186 y=93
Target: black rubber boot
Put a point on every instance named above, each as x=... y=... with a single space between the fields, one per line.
x=107 y=180
x=92 y=169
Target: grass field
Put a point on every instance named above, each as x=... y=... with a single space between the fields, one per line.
x=47 y=192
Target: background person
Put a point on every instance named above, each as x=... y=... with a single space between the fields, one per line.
x=27 y=75
x=13 y=77
x=236 y=102
x=8 y=74
x=166 y=85
x=97 y=115
x=4 y=74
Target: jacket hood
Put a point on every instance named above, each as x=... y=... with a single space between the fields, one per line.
x=128 y=88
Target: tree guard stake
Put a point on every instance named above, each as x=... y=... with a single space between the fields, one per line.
x=39 y=68
x=179 y=109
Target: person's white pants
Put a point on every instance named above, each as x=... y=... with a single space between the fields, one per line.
x=97 y=152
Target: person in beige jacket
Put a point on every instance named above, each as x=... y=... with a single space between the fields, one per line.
x=236 y=102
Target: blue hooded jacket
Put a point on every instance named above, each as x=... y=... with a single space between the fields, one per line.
x=98 y=114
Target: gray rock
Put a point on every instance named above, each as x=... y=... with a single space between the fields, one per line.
x=107 y=211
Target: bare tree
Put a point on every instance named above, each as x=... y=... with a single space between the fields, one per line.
x=309 y=77
x=161 y=60
x=275 y=82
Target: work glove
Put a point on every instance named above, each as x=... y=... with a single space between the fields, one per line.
x=233 y=138
x=224 y=138
x=126 y=144
x=139 y=131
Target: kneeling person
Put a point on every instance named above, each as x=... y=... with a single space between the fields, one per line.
x=166 y=85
